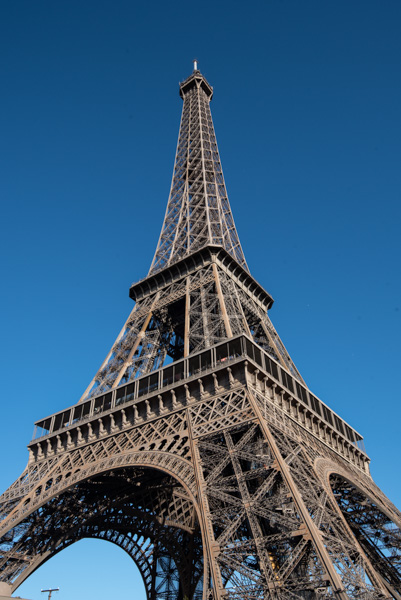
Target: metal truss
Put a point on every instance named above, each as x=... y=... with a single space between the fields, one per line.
x=198 y=211
x=197 y=448
x=195 y=312
x=207 y=293
x=224 y=495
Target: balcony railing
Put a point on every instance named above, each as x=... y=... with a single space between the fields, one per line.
x=191 y=367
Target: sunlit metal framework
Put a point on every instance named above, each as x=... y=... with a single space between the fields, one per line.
x=197 y=447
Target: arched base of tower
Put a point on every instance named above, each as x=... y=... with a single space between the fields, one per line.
x=144 y=511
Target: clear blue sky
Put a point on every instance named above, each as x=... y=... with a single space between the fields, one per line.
x=307 y=115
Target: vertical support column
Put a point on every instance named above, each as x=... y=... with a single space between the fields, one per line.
x=106 y=360
x=139 y=338
x=187 y=319
x=202 y=150
x=244 y=321
x=210 y=546
x=273 y=344
x=313 y=531
x=265 y=559
x=151 y=593
x=204 y=308
x=222 y=302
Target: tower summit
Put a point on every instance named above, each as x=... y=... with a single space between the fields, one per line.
x=198 y=211
x=197 y=447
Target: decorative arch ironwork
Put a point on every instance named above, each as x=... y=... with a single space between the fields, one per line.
x=144 y=510
x=376 y=532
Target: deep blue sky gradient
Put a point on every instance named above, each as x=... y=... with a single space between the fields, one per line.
x=307 y=115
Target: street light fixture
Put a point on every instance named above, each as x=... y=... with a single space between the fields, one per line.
x=50 y=590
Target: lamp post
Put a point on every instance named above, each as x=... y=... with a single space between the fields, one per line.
x=50 y=590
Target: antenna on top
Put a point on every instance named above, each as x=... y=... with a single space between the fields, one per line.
x=195 y=61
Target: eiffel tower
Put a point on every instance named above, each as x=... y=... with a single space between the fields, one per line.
x=197 y=447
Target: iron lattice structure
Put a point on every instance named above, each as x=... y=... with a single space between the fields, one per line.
x=197 y=447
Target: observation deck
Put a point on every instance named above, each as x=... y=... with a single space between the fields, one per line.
x=235 y=363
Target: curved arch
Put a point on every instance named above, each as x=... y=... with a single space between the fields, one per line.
x=370 y=517
x=51 y=486
x=161 y=565
x=158 y=555
x=326 y=468
x=47 y=556
x=110 y=505
x=375 y=531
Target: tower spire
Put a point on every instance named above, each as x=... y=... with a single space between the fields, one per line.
x=199 y=290
x=198 y=211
